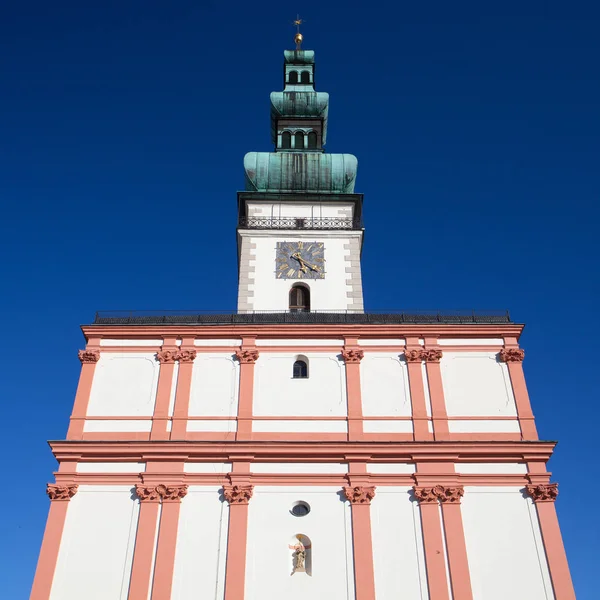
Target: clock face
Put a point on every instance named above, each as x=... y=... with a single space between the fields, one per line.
x=300 y=260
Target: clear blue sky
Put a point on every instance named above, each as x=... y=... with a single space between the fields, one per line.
x=123 y=127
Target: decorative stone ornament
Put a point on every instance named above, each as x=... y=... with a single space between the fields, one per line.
x=238 y=494
x=186 y=356
x=420 y=354
x=360 y=494
x=511 y=355
x=61 y=492
x=247 y=356
x=443 y=494
x=166 y=356
x=161 y=493
x=89 y=356
x=543 y=493
x=352 y=356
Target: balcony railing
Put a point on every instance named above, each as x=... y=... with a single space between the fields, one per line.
x=299 y=223
x=123 y=317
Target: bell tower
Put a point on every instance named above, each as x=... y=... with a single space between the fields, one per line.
x=299 y=222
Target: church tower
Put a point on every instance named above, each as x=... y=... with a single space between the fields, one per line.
x=300 y=233
x=302 y=447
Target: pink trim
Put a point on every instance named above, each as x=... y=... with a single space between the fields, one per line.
x=238 y=496
x=186 y=357
x=526 y=419
x=352 y=358
x=454 y=533
x=247 y=357
x=46 y=566
x=364 y=577
x=145 y=540
x=84 y=389
x=167 y=542
x=433 y=543
x=166 y=356
x=555 y=551
x=432 y=356
x=417 y=394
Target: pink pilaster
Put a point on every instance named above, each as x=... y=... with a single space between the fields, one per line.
x=352 y=357
x=247 y=357
x=185 y=356
x=417 y=390
x=44 y=574
x=166 y=357
x=88 y=357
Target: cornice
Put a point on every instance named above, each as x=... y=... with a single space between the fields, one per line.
x=316 y=331
x=331 y=451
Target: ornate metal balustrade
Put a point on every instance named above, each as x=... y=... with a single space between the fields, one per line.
x=278 y=317
x=299 y=223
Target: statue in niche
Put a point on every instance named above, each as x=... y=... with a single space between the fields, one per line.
x=299 y=558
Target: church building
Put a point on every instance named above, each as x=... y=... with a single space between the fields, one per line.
x=301 y=447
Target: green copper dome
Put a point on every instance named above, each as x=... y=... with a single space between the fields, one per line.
x=300 y=172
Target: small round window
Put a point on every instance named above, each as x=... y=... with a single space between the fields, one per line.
x=300 y=509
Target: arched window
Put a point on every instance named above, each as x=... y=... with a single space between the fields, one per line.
x=305 y=77
x=300 y=298
x=312 y=139
x=286 y=140
x=293 y=77
x=299 y=140
x=300 y=370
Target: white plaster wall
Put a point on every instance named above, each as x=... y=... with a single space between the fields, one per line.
x=122 y=425
x=227 y=425
x=218 y=342
x=384 y=385
x=486 y=468
x=330 y=293
x=482 y=426
x=96 y=552
x=385 y=426
x=201 y=549
x=506 y=558
x=300 y=342
x=123 y=343
x=215 y=383
x=382 y=342
x=276 y=393
x=470 y=341
x=307 y=210
x=398 y=555
x=476 y=384
x=271 y=527
x=297 y=425
x=298 y=468
x=124 y=384
x=110 y=467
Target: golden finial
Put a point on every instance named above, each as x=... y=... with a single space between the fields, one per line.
x=298 y=37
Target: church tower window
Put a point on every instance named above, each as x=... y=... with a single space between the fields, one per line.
x=299 y=140
x=286 y=140
x=312 y=140
x=305 y=77
x=300 y=298
x=300 y=370
x=293 y=77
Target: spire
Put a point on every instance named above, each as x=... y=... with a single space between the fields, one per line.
x=298 y=37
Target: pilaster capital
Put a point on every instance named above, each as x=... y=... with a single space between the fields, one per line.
x=161 y=493
x=185 y=356
x=420 y=354
x=166 y=356
x=238 y=494
x=415 y=355
x=511 y=355
x=359 y=494
x=543 y=492
x=247 y=356
x=89 y=356
x=61 y=492
x=433 y=355
x=352 y=356
x=439 y=493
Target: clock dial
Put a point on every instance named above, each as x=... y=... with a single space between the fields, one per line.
x=300 y=260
